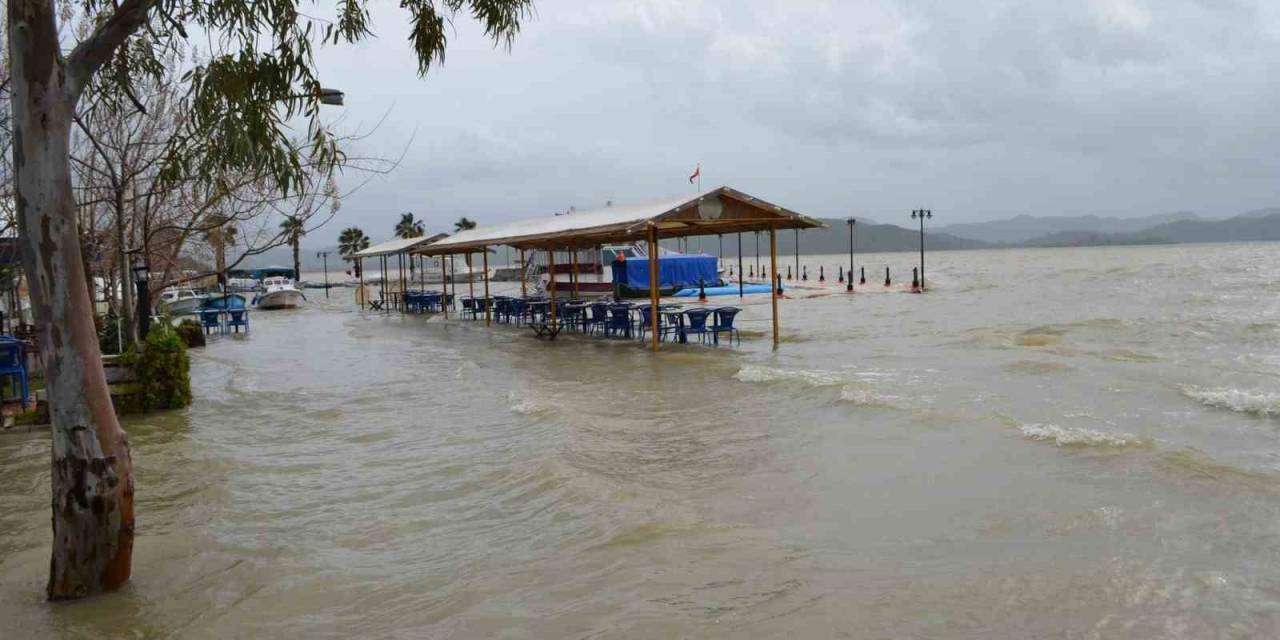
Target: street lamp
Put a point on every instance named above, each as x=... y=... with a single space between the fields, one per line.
x=325 y=256
x=141 y=275
x=758 y=253
x=849 y=287
x=921 y=214
x=331 y=96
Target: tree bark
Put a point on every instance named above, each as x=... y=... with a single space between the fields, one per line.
x=92 y=474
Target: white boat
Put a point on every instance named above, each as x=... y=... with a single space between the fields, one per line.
x=278 y=292
x=180 y=302
x=242 y=284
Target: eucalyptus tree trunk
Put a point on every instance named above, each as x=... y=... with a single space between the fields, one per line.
x=92 y=474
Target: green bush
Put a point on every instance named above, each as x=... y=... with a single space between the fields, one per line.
x=191 y=332
x=109 y=335
x=163 y=372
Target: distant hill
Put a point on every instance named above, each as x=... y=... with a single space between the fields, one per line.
x=1260 y=213
x=1025 y=228
x=1253 y=226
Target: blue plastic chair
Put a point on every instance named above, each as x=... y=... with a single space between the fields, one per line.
x=619 y=321
x=237 y=318
x=469 y=308
x=211 y=319
x=697 y=323
x=724 y=324
x=599 y=319
x=646 y=324
x=13 y=364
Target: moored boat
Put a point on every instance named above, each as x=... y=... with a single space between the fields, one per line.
x=278 y=292
x=180 y=302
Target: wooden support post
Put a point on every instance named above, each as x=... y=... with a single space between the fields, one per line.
x=471 y=280
x=653 y=285
x=773 y=267
x=574 y=266
x=382 y=294
x=403 y=289
x=444 y=288
x=551 y=289
x=524 y=267
x=484 y=255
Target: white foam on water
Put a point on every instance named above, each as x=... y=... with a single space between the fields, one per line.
x=865 y=397
x=1079 y=437
x=527 y=404
x=811 y=377
x=1259 y=403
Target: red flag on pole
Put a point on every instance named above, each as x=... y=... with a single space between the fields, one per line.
x=697 y=173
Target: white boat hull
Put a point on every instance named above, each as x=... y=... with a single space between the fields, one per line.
x=288 y=299
x=184 y=307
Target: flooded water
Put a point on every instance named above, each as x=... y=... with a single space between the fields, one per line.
x=1073 y=443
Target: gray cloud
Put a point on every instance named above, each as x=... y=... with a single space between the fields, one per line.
x=977 y=110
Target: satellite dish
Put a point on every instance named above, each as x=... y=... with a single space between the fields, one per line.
x=710 y=209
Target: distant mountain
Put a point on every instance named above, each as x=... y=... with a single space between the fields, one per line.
x=1023 y=228
x=1260 y=213
x=1253 y=226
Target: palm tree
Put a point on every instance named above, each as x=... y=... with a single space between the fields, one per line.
x=409 y=228
x=220 y=232
x=293 y=229
x=351 y=241
x=463 y=224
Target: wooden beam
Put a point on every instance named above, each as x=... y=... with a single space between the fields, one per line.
x=524 y=293
x=773 y=286
x=484 y=254
x=471 y=280
x=444 y=288
x=551 y=286
x=653 y=285
x=574 y=274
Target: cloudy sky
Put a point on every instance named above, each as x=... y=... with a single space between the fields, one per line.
x=977 y=110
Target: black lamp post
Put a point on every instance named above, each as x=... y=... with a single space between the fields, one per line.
x=758 y=252
x=324 y=255
x=849 y=287
x=141 y=276
x=921 y=214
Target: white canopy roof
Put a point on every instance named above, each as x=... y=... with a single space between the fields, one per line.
x=399 y=245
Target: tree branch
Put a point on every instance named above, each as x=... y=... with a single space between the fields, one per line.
x=90 y=55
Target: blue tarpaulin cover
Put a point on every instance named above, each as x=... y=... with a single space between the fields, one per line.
x=674 y=270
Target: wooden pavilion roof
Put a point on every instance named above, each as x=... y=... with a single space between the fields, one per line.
x=718 y=211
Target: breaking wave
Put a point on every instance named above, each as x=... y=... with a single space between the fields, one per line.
x=1080 y=437
x=529 y=404
x=867 y=398
x=1254 y=402
x=815 y=378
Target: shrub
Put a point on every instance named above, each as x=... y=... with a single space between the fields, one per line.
x=163 y=372
x=109 y=334
x=191 y=332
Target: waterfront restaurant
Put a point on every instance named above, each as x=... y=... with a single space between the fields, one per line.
x=716 y=212
x=398 y=248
